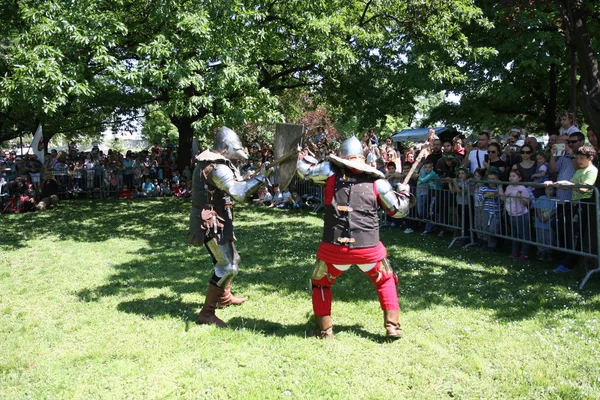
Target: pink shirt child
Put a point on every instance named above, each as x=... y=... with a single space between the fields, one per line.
x=512 y=203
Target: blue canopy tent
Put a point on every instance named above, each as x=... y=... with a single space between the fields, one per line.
x=416 y=135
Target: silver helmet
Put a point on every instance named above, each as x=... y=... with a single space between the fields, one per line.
x=351 y=148
x=229 y=144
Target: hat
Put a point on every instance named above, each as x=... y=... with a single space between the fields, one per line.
x=380 y=160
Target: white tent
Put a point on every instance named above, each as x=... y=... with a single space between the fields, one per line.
x=415 y=135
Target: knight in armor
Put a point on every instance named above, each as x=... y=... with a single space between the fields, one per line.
x=353 y=193
x=216 y=184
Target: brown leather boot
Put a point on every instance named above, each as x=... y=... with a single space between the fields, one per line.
x=324 y=327
x=227 y=299
x=207 y=314
x=390 y=322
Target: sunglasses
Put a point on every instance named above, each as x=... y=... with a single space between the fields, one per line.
x=526 y=152
x=492 y=152
x=573 y=141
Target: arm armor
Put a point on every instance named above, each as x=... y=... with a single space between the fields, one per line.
x=318 y=173
x=398 y=203
x=223 y=178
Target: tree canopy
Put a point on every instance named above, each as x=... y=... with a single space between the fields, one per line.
x=78 y=67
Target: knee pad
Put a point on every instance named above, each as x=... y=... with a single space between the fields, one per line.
x=324 y=274
x=382 y=272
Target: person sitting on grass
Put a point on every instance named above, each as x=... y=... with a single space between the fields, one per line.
x=277 y=200
x=295 y=201
x=148 y=188
x=264 y=197
x=125 y=193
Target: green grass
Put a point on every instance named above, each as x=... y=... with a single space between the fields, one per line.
x=98 y=300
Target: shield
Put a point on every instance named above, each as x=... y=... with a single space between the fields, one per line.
x=287 y=139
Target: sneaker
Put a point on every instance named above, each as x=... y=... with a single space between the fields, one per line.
x=522 y=258
x=408 y=230
x=425 y=233
x=514 y=256
x=561 y=268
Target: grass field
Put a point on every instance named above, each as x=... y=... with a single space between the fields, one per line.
x=98 y=301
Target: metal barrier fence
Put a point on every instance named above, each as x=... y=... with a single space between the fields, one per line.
x=568 y=227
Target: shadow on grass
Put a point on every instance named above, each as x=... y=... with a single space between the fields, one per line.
x=277 y=249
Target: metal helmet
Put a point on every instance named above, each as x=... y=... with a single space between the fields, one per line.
x=351 y=148
x=229 y=144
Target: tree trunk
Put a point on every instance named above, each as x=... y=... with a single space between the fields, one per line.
x=589 y=95
x=186 y=136
x=550 y=107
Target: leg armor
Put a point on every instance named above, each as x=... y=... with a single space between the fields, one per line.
x=226 y=260
x=385 y=281
x=323 y=277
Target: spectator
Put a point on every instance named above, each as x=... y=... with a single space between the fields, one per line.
x=545 y=211
x=552 y=137
x=475 y=158
x=582 y=199
x=489 y=195
x=511 y=153
x=148 y=188
x=564 y=166
x=458 y=147
x=541 y=172
x=125 y=193
x=567 y=124
x=165 y=188
x=264 y=197
x=187 y=173
x=380 y=165
x=435 y=155
x=533 y=143
x=49 y=194
x=592 y=138
x=429 y=179
x=493 y=160
x=517 y=199
x=527 y=165
x=461 y=187
x=295 y=201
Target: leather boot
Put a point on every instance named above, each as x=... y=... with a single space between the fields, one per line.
x=324 y=327
x=227 y=299
x=207 y=314
x=390 y=322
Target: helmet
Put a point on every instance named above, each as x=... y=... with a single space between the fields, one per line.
x=351 y=148
x=229 y=144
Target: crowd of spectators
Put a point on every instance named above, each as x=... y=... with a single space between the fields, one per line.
x=96 y=174
x=515 y=186
x=458 y=182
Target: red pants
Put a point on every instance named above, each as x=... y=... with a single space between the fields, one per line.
x=385 y=284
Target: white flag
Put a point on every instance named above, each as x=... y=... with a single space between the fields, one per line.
x=38 y=143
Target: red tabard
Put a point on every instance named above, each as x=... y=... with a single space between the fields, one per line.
x=342 y=255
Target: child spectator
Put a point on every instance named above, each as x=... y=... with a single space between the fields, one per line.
x=113 y=183
x=541 y=172
x=264 y=197
x=478 y=213
x=489 y=194
x=428 y=183
x=517 y=199
x=157 y=191
x=175 y=190
x=125 y=193
x=175 y=178
x=461 y=187
x=277 y=200
x=187 y=173
x=545 y=210
x=183 y=192
x=188 y=189
x=148 y=188
x=165 y=188
x=295 y=201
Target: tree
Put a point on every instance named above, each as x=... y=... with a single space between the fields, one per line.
x=205 y=63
